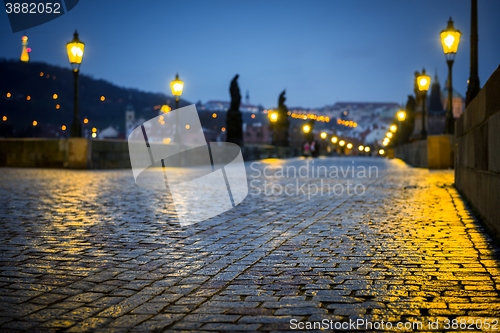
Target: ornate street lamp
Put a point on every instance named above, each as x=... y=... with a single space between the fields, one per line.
x=423 y=83
x=450 y=38
x=177 y=86
x=75 y=50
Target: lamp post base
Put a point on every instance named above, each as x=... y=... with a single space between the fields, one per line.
x=450 y=122
x=76 y=129
x=177 y=137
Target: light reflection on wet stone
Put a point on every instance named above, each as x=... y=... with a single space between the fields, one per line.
x=89 y=250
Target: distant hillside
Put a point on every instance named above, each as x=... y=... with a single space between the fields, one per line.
x=40 y=81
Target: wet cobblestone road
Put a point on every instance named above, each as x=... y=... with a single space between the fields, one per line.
x=90 y=251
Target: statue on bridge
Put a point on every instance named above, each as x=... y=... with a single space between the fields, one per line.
x=280 y=127
x=234 y=122
x=408 y=125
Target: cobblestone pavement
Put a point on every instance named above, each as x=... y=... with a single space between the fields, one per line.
x=90 y=251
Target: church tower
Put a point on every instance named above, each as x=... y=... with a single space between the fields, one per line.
x=435 y=98
x=129 y=117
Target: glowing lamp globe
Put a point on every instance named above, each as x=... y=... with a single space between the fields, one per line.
x=177 y=86
x=423 y=81
x=401 y=115
x=450 y=38
x=273 y=116
x=75 y=50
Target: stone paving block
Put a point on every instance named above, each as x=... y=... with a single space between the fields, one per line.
x=223 y=327
x=129 y=320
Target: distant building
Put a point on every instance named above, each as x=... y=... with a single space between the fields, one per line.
x=108 y=133
x=458 y=103
x=222 y=106
x=130 y=122
x=256 y=133
x=372 y=118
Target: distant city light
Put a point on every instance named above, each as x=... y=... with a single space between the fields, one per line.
x=167 y=140
x=4 y=118
x=102 y=98
x=55 y=96
x=9 y=94
x=389 y=134
x=35 y=122
x=214 y=115
x=349 y=145
x=94 y=129
x=361 y=148
x=335 y=139
x=252 y=116
x=63 y=127
x=85 y=120
x=187 y=126
x=223 y=129
x=367 y=149
x=165 y=108
x=393 y=128
x=306 y=128
x=323 y=135
x=381 y=152
x=348 y=123
x=342 y=143
x=58 y=106
x=305 y=116
x=94 y=135
x=41 y=74
x=28 y=98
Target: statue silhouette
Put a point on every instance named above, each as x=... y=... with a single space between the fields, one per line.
x=234 y=123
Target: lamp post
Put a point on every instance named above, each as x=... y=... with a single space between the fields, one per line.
x=75 y=50
x=473 y=85
x=450 y=38
x=423 y=83
x=177 y=86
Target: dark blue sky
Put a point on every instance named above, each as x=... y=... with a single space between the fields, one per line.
x=320 y=51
